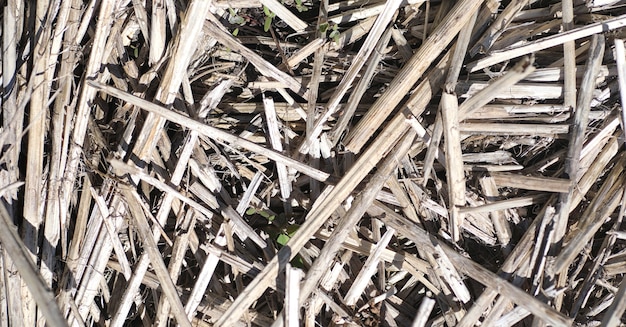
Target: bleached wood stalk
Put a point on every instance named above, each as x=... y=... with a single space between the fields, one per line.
x=602 y=206
x=218 y=31
x=329 y=200
x=456 y=63
x=41 y=293
x=454 y=162
x=514 y=129
x=212 y=132
x=479 y=273
x=569 y=57
x=410 y=73
x=168 y=287
x=548 y=42
x=614 y=313
x=34 y=195
x=276 y=143
x=620 y=58
x=12 y=125
x=547 y=184
x=426 y=307
x=369 y=269
x=374 y=36
x=500 y=224
x=577 y=133
x=499 y=26
x=359 y=90
x=292 y=294
x=157 y=31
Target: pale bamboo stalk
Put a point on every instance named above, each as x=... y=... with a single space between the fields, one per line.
x=404 y=49
x=539 y=91
x=446 y=272
x=406 y=261
x=305 y=52
x=369 y=269
x=74 y=157
x=292 y=294
x=577 y=134
x=494 y=206
x=569 y=57
x=41 y=293
x=217 y=31
x=548 y=42
x=498 y=27
x=157 y=31
x=502 y=85
x=352 y=34
x=204 y=277
x=115 y=240
x=179 y=248
x=410 y=73
x=514 y=129
x=33 y=201
x=546 y=184
x=613 y=315
x=620 y=59
x=276 y=143
x=602 y=206
x=375 y=34
x=211 y=132
x=500 y=224
x=328 y=201
x=12 y=126
x=454 y=163
x=479 y=273
x=359 y=90
x=168 y=287
x=425 y=308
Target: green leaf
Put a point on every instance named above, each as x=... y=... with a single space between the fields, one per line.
x=268 y=23
x=324 y=27
x=235 y=32
x=282 y=239
x=335 y=36
x=251 y=211
x=267 y=11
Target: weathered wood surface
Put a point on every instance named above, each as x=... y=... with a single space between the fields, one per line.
x=266 y=162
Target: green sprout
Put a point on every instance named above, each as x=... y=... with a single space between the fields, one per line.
x=300 y=6
x=269 y=15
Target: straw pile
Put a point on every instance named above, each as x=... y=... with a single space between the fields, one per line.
x=265 y=162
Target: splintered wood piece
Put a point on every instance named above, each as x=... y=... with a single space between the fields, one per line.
x=369 y=269
x=547 y=184
x=292 y=294
x=500 y=223
x=548 y=42
x=410 y=73
x=454 y=162
x=480 y=274
x=327 y=203
x=620 y=59
x=277 y=144
x=374 y=36
x=168 y=287
x=212 y=132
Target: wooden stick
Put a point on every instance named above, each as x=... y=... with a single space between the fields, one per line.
x=42 y=295
x=210 y=131
x=454 y=162
x=411 y=72
x=479 y=273
x=548 y=42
